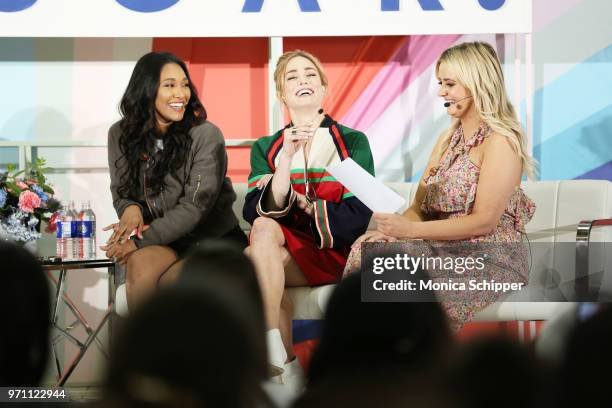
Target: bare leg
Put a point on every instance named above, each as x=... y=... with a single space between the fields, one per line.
x=144 y=268
x=275 y=269
x=293 y=277
x=267 y=253
x=285 y=324
x=171 y=274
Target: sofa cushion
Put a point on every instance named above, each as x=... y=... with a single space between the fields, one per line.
x=560 y=206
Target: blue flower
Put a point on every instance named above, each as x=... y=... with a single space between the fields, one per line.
x=2 y=197
x=39 y=191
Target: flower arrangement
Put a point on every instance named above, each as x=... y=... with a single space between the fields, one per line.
x=25 y=201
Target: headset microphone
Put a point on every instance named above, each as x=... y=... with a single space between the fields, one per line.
x=447 y=104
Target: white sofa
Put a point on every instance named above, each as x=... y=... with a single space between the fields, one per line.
x=561 y=206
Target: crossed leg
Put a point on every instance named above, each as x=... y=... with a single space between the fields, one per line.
x=276 y=270
x=147 y=268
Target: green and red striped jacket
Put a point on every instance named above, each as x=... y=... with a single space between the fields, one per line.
x=340 y=218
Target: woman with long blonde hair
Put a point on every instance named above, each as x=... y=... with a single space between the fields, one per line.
x=470 y=190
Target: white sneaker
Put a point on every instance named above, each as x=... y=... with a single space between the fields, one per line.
x=276 y=353
x=293 y=376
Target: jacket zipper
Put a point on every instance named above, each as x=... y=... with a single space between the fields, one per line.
x=197 y=188
x=144 y=183
x=164 y=200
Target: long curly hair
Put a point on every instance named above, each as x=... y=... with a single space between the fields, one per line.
x=139 y=125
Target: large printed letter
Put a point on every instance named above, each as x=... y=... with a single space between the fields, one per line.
x=147 y=6
x=15 y=5
x=254 y=6
x=427 y=5
x=491 y=5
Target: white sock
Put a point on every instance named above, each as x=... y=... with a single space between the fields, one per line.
x=276 y=351
x=293 y=376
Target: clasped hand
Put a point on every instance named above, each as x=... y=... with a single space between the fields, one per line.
x=120 y=252
x=119 y=246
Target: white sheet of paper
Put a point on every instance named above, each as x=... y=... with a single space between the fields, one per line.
x=373 y=193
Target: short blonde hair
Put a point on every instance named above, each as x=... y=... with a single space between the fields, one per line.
x=281 y=68
x=478 y=69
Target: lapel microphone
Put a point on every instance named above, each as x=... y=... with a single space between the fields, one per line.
x=447 y=104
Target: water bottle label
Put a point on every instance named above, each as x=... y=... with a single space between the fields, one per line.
x=86 y=229
x=74 y=229
x=64 y=229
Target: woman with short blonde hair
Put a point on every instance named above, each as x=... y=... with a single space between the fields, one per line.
x=281 y=68
x=304 y=221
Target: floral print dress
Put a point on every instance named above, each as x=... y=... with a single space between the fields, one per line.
x=451 y=193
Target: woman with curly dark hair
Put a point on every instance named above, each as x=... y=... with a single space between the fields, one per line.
x=168 y=169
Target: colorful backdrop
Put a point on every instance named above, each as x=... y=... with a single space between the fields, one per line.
x=68 y=89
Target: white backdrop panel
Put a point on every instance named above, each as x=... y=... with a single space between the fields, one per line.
x=262 y=18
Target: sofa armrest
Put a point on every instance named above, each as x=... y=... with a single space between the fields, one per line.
x=583 y=237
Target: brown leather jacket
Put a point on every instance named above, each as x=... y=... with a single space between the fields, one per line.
x=198 y=203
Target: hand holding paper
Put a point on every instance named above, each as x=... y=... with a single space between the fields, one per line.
x=373 y=193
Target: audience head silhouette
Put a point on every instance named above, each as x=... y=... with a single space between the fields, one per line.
x=25 y=302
